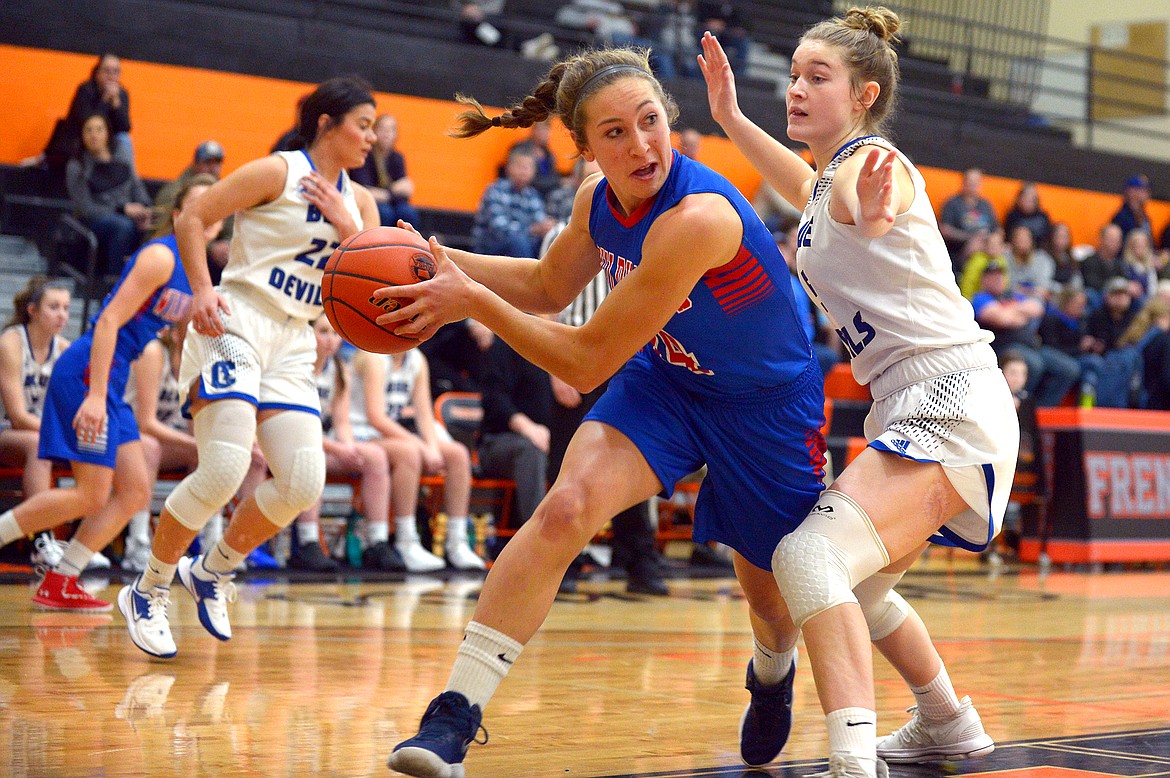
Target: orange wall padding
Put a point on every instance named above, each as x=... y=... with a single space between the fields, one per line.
x=173 y=109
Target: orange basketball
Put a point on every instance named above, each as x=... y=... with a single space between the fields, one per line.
x=365 y=262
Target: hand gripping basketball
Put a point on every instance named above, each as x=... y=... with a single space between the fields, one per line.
x=423 y=307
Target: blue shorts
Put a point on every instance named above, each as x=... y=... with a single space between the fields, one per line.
x=67 y=388
x=765 y=454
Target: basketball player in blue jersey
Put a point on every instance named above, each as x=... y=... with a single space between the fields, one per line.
x=709 y=365
x=87 y=421
x=943 y=434
x=247 y=365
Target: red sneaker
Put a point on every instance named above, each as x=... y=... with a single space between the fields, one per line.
x=62 y=593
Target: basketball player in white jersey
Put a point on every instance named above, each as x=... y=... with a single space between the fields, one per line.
x=943 y=431
x=29 y=347
x=247 y=366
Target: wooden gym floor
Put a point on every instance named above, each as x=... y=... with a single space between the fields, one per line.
x=1070 y=671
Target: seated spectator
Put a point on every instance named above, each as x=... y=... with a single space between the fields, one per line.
x=1065 y=329
x=1015 y=372
x=1138 y=263
x=208 y=161
x=1032 y=270
x=547 y=177
x=1014 y=319
x=1067 y=270
x=479 y=21
x=455 y=354
x=669 y=31
x=558 y=204
x=725 y=22
x=103 y=93
x=511 y=220
x=1026 y=210
x=384 y=174
x=606 y=20
x=985 y=247
x=29 y=346
x=514 y=433
x=107 y=194
x=1156 y=358
x=965 y=215
x=344 y=455
x=1106 y=325
x=1105 y=262
x=1132 y=215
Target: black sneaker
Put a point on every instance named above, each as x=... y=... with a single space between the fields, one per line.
x=765 y=725
x=382 y=556
x=309 y=556
x=446 y=731
x=645 y=577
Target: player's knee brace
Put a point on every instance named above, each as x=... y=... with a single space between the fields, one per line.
x=818 y=564
x=223 y=433
x=884 y=609
x=291 y=443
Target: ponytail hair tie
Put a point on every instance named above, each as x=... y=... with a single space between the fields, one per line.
x=496 y=122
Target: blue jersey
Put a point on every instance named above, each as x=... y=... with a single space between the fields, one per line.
x=738 y=331
x=170 y=303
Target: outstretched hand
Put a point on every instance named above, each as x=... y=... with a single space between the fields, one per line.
x=430 y=304
x=875 y=188
x=720 y=80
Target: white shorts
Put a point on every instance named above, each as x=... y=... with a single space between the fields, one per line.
x=259 y=358
x=966 y=421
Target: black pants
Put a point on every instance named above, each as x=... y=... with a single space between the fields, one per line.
x=633 y=537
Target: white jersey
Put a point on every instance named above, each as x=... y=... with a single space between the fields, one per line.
x=328 y=388
x=889 y=298
x=279 y=248
x=398 y=389
x=169 y=410
x=34 y=374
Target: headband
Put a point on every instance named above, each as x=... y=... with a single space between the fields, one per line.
x=605 y=71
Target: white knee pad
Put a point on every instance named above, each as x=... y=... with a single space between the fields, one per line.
x=224 y=431
x=834 y=548
x=884 y=609
x=291 y=442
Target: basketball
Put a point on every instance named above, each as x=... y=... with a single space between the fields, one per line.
x=363 y=263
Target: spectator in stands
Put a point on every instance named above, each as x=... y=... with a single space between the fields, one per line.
x=1014 y=318
x=107 y=194
x=384 y=174
x=1065 y=329
x=1138 y=263
x=514 y=433
x=392 y=406
x=479 y=21
x=985 y=247
x=1015 y=372
x=1026 y=210
x=724 y=21
x=1156 y=359
x=1105 y=262
x=1031 y=269
x=1132 y=215
x=547 y=177
x=1122 y=376
x=965 y=215
x=1107 y=323
x=558 y=204
x=345 y=455
x=668 y=31
x=511 y=220
x=455 y=354
x=208 y=161
x=87 y=422
x=689 y=141
x=606 y=20
x=1066 y=268
x=29 y=347
x=104 y=94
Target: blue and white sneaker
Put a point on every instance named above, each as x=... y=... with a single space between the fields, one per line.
x=764 y=727
x=447 y=730
x=146 y=619
x=212 y=593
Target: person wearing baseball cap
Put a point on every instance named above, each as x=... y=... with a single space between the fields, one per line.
x=1133 y=215
x=208 y=160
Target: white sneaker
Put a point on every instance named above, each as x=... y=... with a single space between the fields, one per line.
x=47 y=551
x=418 y=560
x=212 y=594
x=462 y=557
x=842 y=766
x=99 y=562
x=923 y=740
x=146 y=619
x=137 y=554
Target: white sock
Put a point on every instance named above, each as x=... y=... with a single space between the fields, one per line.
x=157 y=573
x=771 y=666
x=456 y=531
x=853 y=732
x=74 y=560
x=10 y=531
x=222 y=559
x=139 y=527
x=378 y=532
x=308 y=533
x=937 y=700
x=405 y=531
x=485 y=657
